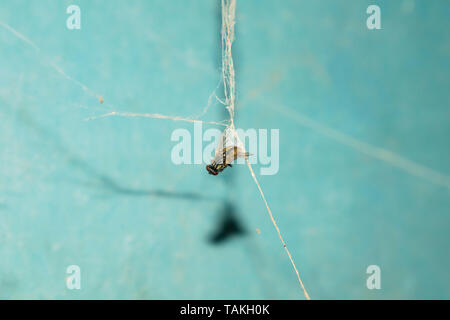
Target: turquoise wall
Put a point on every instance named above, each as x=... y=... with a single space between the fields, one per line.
x=364 y=159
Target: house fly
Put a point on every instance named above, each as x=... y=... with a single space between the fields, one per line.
x=228 y=149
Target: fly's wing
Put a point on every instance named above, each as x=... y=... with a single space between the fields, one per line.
x=227 y=140
x=224 y=141
x=234 y=153
x=229 y=147
x=230 y=154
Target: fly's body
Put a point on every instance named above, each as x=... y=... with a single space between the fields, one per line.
x=215 y=168
x=220 y=162
x=225 y=155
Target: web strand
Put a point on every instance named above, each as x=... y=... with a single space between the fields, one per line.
x=228 y=21
x=228 y=74
x=153 y=115
x=98 y=96
x=278 y=230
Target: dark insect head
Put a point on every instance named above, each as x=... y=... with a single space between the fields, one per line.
x=212 y=170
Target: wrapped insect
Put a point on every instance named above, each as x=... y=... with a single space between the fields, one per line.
x=228 y=149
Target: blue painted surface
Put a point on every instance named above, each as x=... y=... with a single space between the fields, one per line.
x=104 y=194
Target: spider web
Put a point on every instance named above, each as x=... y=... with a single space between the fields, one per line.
x=228 y=7
x=228 y=81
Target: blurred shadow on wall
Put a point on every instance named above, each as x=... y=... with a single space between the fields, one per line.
x=228 y=225
x=105 y=181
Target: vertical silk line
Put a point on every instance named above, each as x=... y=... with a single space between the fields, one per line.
x=228 y=21
x=228 y=14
